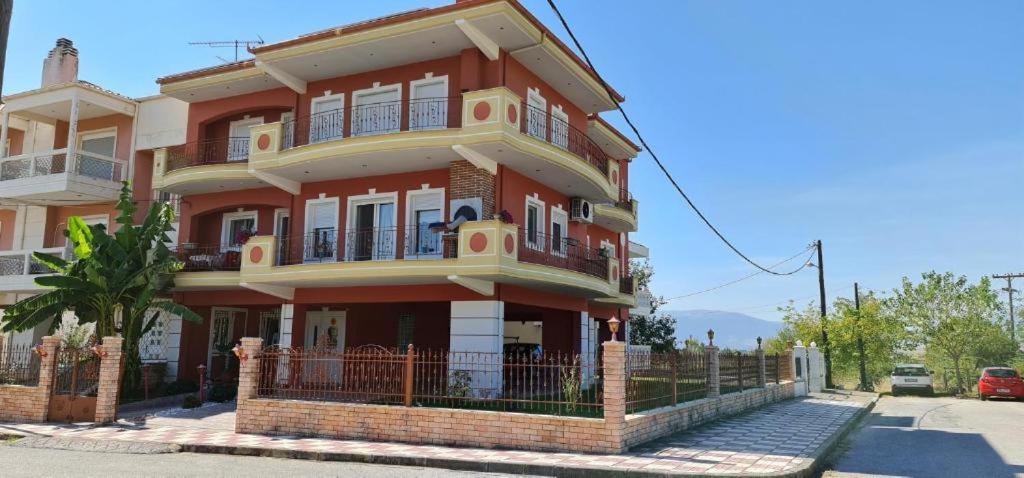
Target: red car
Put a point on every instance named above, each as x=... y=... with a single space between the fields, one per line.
x=1000 y=382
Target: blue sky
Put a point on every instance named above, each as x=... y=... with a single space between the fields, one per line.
x=893 y=131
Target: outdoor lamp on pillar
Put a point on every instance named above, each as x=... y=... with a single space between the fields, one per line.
x=39 y=350
x=240 y=353
x=711 y=337
x=613 y=325
x=98 y=350
x=759 y=343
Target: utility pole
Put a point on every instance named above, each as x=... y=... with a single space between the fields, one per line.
x=1009 y=290
x=860 y=342
x=824 y=317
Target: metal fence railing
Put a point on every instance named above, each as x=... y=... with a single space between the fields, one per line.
x=19 y=365
x=662 y=379
x=562 y=252
x=773 y=368
x=738 y=371
x=543 y=383
x=384 y=117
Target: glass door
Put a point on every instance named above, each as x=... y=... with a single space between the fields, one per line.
x=327 y=119
x=373 y=234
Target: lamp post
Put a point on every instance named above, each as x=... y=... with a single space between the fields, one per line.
x=613 y=325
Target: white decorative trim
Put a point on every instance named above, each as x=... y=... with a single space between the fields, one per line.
x=278 y=214
x=225 y=229
x=560 y=217
x=541 y=220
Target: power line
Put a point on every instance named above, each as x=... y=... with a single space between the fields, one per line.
x=655 y=156
x=776 y=304
x=741 y=279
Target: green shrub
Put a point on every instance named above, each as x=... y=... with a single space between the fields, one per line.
x=182 y=386
x=191 y=401
x=223 y=393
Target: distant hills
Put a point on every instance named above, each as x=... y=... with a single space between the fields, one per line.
x=732 y=329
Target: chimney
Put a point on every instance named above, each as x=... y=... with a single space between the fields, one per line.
x=61 y=65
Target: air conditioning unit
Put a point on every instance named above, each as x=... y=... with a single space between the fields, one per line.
x=581 y=211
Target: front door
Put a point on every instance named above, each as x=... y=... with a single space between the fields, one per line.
x=219 y=361
x=325 y=338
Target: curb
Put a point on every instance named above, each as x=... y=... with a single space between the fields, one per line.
x=807 y=470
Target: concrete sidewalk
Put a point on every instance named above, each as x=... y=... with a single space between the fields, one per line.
x=782 y=439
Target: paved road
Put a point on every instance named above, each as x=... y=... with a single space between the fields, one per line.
x=937 y=437
x=17 y=462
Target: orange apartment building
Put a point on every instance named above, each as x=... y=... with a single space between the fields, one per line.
x=347 y=187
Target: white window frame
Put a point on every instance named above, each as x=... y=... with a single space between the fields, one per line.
x=279 y=213
x=250 y=122
x=306 y=225
x=560 y=134
x=410 y=216
x=362 y=200
x=94 y=219
x=225 y=227
x=561 y=217
x=412 y=100
x=540 y=132
x=606 y=244
x=287 y=120
x=231 y=329
x=541 y=222
x=312 y=107
x=369 y=91
x=94 y=134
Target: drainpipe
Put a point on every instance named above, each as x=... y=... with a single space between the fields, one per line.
x=130 y=174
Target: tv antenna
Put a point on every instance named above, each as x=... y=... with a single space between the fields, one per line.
x=236 y=44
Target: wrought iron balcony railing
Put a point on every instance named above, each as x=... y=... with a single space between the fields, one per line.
x=372 y=119
x=539 y=124
x=209 y=151
x=367 y=244
x=201 y=258
x=562 y=252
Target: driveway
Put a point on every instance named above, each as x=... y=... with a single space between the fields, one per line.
x=937 y=437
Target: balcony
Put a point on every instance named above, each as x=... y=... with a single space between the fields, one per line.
x=618 y=216
x=478 y=255
x=483 y=127
x=18 y=269
x=53 y=176
x=207 y=266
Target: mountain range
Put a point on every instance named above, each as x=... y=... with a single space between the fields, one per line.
x=732 y=329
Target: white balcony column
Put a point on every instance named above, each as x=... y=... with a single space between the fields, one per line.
x=70 y=162
x=476 y=347
x=3 y=134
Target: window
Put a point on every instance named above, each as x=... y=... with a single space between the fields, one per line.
x=536 y=114
x=428 y=103
x=377 y=110
x=96 y=154
x=238 y=138
x=424 y=207
x=96 y=220
x=270 y=327
x=406 y=330
x=321 y=241
x=222 y=328
x=559 y=127
x=237 y=228
x=371 y=229
x=327 y=118
x=559 y=231
x=534 y=223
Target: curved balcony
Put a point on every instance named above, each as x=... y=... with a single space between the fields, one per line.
x=619 y=216
x=207 y=152
x=207 y=266
x=546 y=127
x=479 y=255
x=204 y=166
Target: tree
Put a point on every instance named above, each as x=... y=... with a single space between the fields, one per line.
x=886 y=338
x=114 y=281
x=658 y=331
x=953 y=318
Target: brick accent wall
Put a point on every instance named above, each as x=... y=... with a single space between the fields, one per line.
x=30 y=404
x=468 y=181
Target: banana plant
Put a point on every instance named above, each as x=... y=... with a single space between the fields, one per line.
x=118 y=281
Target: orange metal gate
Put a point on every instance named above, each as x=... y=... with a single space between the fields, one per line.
x=76 y=382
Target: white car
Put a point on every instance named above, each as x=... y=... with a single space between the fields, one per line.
x=911 y=377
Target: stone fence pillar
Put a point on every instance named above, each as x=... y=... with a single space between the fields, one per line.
x=40 y=407
x=615 y=391
x=714 y=372
x=109 y=380
x=249 y=367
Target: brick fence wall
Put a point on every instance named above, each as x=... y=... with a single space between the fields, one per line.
x=615 y=433
x=20 y=403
